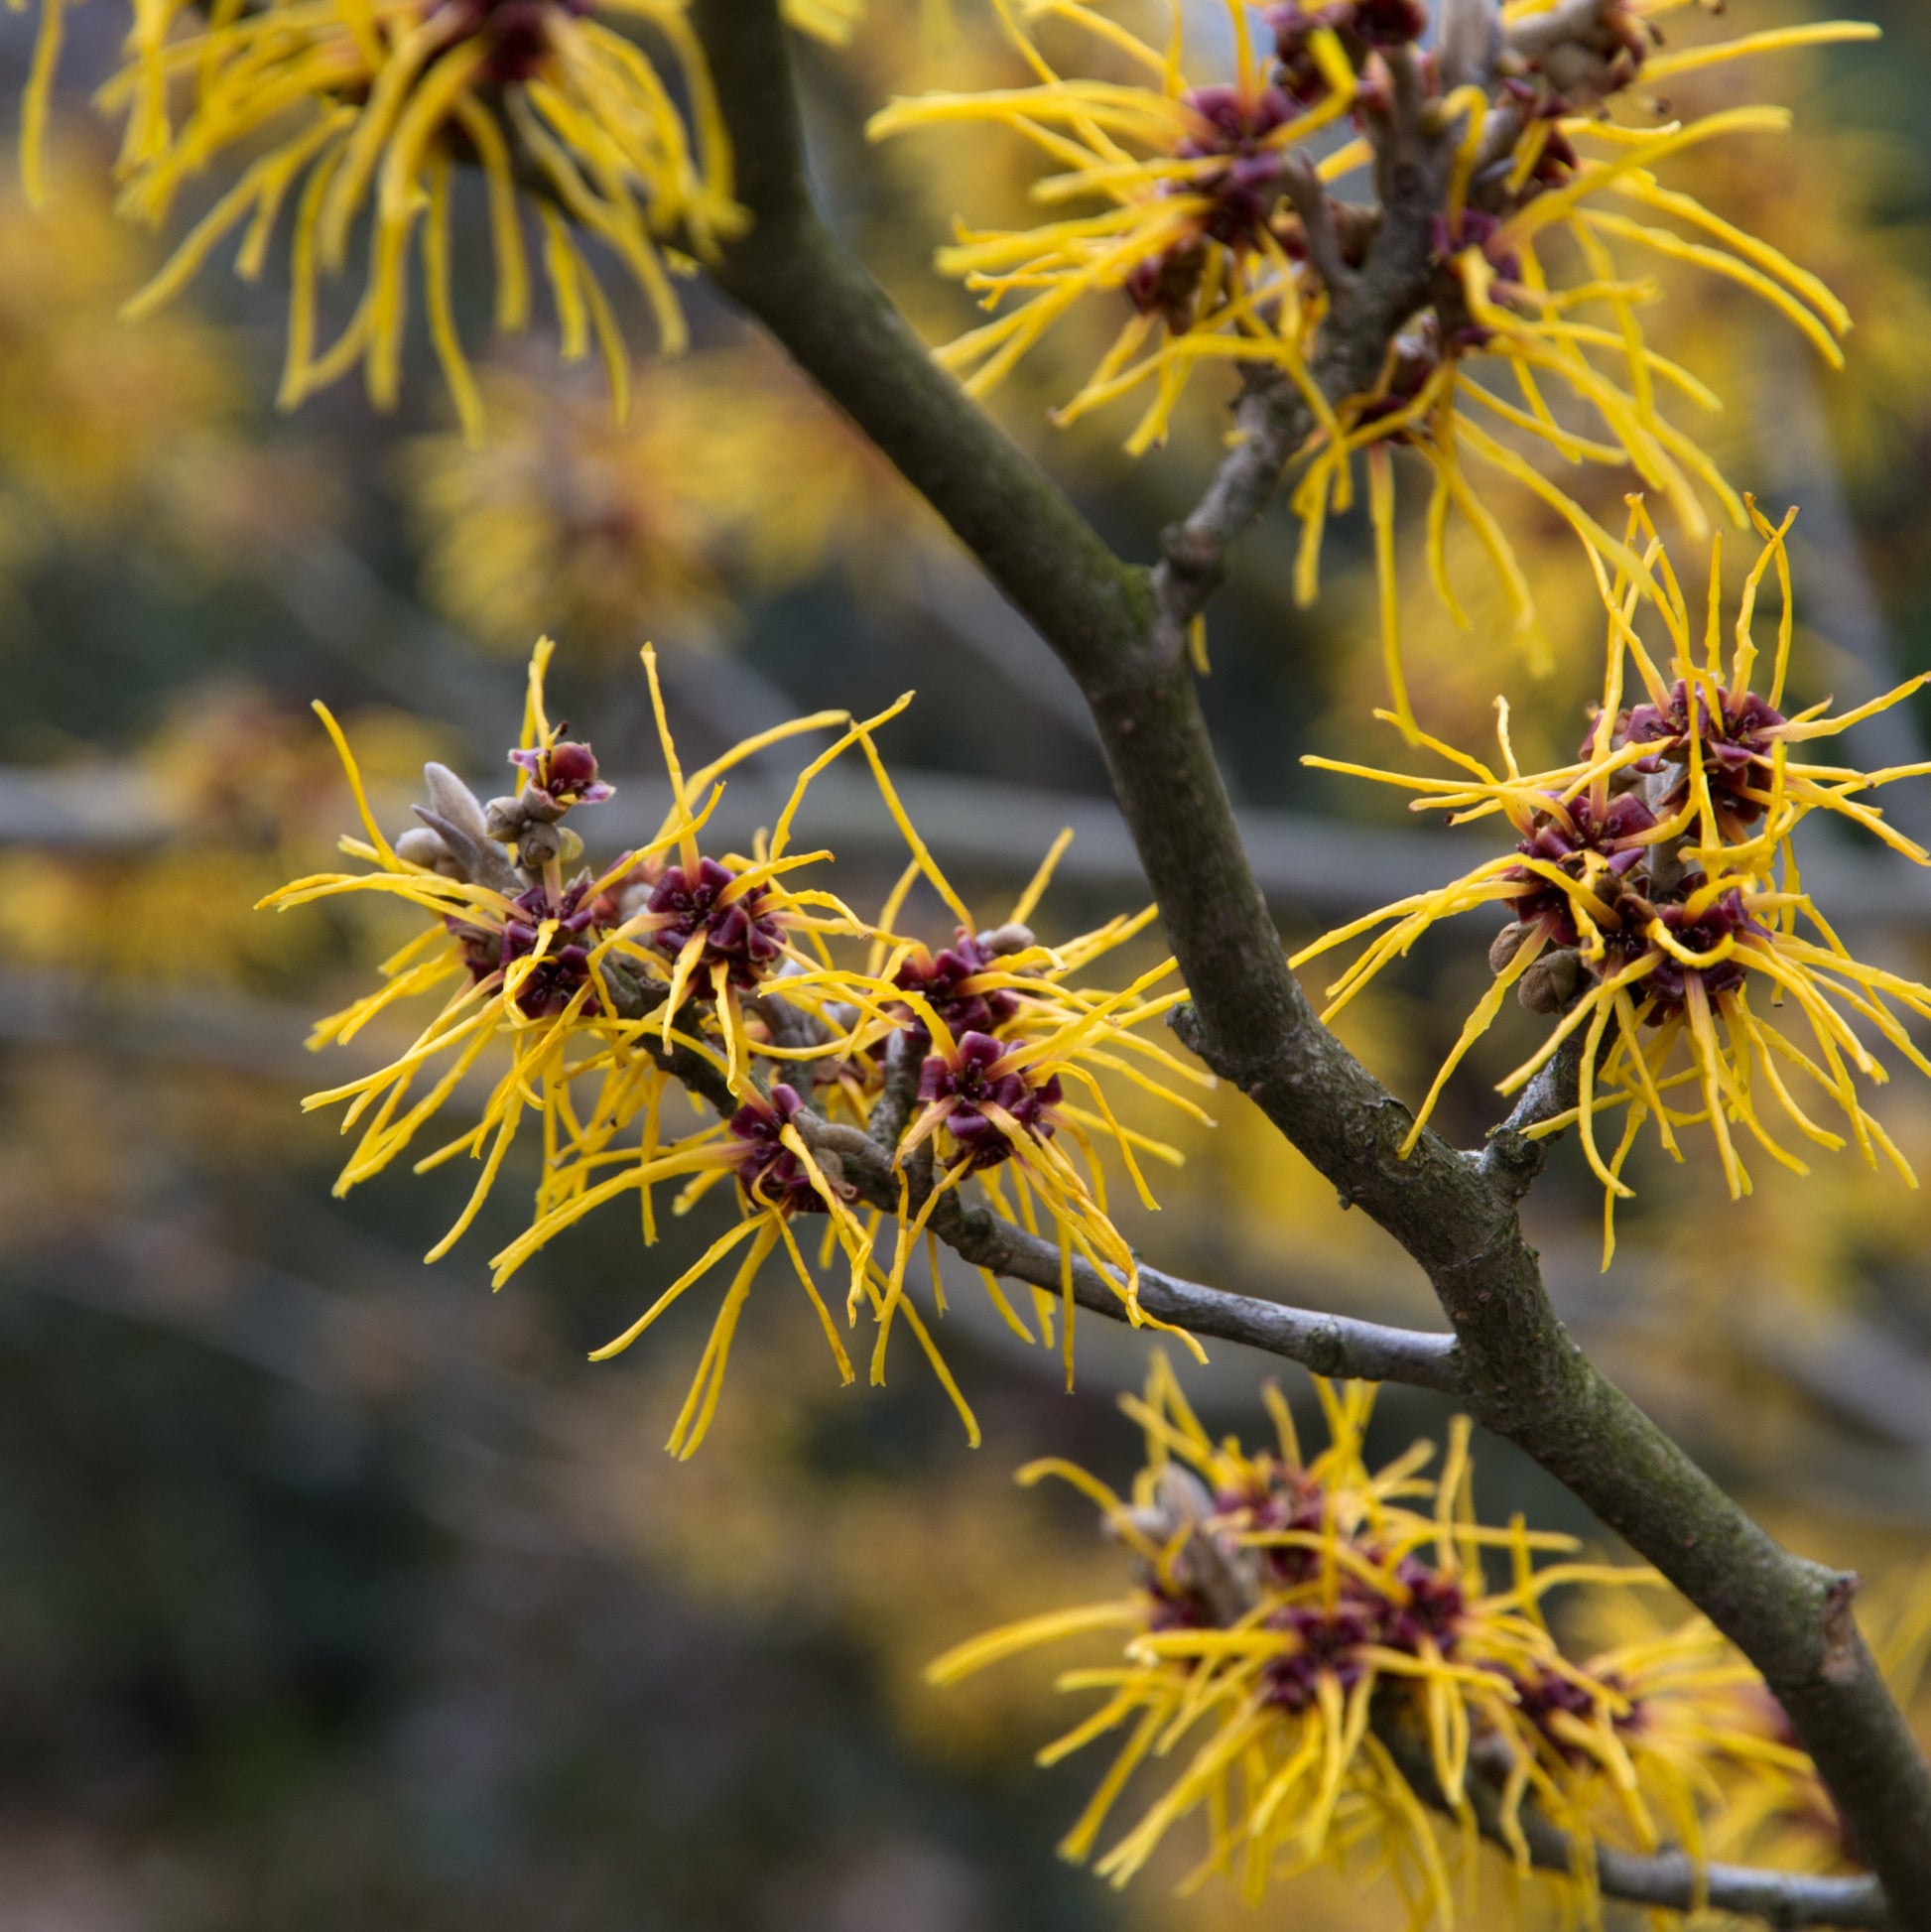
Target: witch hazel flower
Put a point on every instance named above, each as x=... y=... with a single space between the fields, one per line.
x=574 y=1007
x=1657 y=909
x=1311 y=1654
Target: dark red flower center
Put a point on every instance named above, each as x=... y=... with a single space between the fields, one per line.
x=743 y=935
x=1240 y=192
x=940 y=978
x=1611 y=834
x=1736 y=732
x=1369 y=23
x=562 y=775
x=770 y=1173
x=517 y=32
x=564 y=967
x=972 y=1083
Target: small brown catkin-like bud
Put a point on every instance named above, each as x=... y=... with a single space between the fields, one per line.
x=1503 y=948
x=1010 y=938
x=504 y=819
x=420 y=846
x=539 y=845
x=1551 y=982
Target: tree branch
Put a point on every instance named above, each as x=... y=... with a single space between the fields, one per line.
x=1118 y=632
x=1328 y=1345
x=1670 y=1879
x=1365 y=307
x=1511 y=1159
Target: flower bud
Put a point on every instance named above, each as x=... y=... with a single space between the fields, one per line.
x=452 y=799
x=505 y=819
x=1504 y=946
x=539 y=843
x=419 y=846
x=1551 y=982
x=572 y=767
x=1010 y=938
x=425 y=845
x=562 y=775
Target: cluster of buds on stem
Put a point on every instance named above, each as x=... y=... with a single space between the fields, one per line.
x=543 y=937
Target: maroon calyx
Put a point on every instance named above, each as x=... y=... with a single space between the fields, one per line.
x=1388 y=23
x=1233 y=128
x=1613 y=835
x=565 y=967
x=973 y=1086
x=940 y=978
x=562 y=775
x=482 y=949
x=1414 y=357
x=770 y=1173
x=1475 y=228
x=1722 y=920
x=1667 y=981
x=1419 y=1610
x=1544 y=1694
x=1284 y=1499
x=1433 y=1612
x=1558 y=159
x=1329 y=1644
x=1240 y=192
x=515 y=31
x=1425 y=1612
x=1736 y=737
x=1359 y=24
x=743 y=935
x=1166 y=284
x=1176 y=1607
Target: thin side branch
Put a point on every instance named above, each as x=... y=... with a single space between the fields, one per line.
x=1310 y=199
x=1511 y=1159
x=1670 y=1880
x=1366 y=305
x=1328 y=1345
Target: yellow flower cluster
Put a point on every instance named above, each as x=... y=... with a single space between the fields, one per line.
x=1201 y=238
x=222 y=800
x=602 y=990
x=596 y=116
x=729 y=471
x=1190 y=177
x=1655 y=890
x=367 y=110
x=1315 y=1647
x=98 y=422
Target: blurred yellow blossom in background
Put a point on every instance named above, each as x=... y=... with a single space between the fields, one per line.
x=729 y=479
